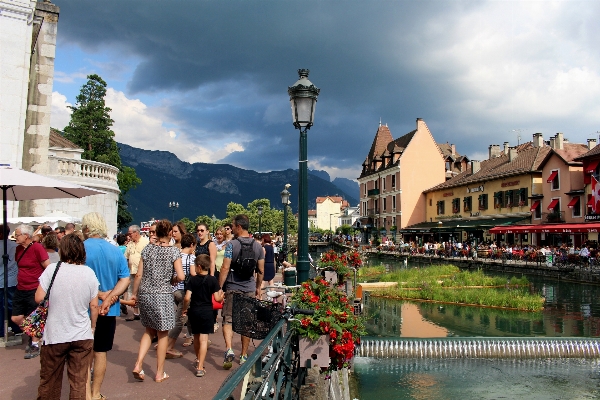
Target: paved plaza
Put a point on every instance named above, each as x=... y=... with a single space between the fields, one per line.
x=19 y=378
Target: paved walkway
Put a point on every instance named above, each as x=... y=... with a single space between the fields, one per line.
x=19 y=378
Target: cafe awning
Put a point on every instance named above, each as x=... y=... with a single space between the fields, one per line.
x=550 y=228
x=458 y=225
x=591 y=166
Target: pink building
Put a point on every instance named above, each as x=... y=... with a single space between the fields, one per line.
x=394 y=175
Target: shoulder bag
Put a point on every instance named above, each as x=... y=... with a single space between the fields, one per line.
x=33 y=325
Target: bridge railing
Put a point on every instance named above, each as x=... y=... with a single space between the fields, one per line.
x=272 y=370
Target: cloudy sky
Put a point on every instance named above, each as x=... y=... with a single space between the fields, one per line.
x=207 y=80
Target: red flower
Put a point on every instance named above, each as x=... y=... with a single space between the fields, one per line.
x=305 y=322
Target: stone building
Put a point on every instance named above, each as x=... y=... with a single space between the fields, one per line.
x=28 y=31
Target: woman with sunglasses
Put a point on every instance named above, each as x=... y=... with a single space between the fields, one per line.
x=206 y=245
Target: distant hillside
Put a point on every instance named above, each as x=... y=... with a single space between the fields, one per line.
x=348 y=186
x=206 y=189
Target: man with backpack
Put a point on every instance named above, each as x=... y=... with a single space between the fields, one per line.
x=241 y=272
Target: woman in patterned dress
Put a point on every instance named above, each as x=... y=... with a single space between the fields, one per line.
x=153 y=294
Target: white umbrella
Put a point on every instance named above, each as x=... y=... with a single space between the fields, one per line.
x=16 y=185
x=53 y=218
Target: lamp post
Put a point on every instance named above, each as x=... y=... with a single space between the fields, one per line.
x=285 y=199
x=173 y=206
x=260 y=210
x=214 y=220
x=303 y=99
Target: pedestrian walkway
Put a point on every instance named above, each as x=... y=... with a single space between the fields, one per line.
x=19 y=378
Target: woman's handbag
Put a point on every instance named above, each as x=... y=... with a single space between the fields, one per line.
x=33 y=325
x=216 y=305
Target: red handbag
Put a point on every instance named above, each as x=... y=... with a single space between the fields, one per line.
x=216 y=305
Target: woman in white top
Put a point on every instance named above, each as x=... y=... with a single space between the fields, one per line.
x=68 y=335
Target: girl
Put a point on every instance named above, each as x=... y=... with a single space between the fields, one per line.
x=198 y=295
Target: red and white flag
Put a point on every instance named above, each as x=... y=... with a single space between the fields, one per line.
x=596 y=195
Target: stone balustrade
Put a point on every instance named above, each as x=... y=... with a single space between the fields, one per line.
x=84 y=172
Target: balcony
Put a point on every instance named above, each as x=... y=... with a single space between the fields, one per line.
x=371 y=212
x=553 y=217
x=84 y=172
x=373 y=193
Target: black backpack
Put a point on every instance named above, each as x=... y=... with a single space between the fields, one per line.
x=245 y=265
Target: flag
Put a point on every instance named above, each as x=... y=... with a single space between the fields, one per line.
x=596 y=195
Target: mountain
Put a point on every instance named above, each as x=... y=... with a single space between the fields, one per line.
x=321 y=174
x=206 y=189
x=348 y=186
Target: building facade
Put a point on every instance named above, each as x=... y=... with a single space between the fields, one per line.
x=329 y=211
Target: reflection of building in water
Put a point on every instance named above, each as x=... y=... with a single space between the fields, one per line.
x=401 y=319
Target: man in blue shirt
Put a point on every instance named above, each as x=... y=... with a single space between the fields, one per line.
x=112 y=272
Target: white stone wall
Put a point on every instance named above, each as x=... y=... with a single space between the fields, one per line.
x=16 y=17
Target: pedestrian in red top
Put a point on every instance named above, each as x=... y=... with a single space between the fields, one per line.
x=32 y=259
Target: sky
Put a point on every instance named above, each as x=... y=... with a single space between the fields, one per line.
x=207 y=80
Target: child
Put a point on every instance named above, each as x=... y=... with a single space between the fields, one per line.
x=198 y=295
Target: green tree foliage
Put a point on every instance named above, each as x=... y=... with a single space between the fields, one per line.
x=90 y=128
x=345 y=229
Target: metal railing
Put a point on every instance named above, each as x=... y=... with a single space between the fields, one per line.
x=555 y=216
x=279 y=376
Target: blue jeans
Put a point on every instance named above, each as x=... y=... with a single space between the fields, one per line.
x=11 y=293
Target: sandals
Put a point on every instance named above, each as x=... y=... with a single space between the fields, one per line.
x=200 y=373
x=139 y=375
x=164 y=378
x=188 y=342
x=102 y=397
x=173 y=354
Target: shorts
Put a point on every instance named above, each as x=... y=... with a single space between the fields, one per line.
x=227 y=310
x=104 y=335
x=24 y=302
x=130 y=287
x=201 y=321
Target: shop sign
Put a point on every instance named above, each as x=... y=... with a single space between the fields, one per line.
x=592 y=217
x=448 y=194
x=475 y=214
x=513 y=183
x=475 y=189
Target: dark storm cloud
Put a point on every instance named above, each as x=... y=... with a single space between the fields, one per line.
x=232 y=63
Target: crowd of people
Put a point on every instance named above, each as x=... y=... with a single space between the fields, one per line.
x=168 y=281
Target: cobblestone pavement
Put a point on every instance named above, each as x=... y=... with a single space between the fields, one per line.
x=19 y=378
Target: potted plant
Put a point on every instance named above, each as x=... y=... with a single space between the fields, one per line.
x=333 y=322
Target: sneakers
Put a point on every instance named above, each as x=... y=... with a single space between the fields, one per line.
x=32 y=352
x=243 y=359
x=228 y=361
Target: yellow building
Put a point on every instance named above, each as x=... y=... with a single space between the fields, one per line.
x=328 y=213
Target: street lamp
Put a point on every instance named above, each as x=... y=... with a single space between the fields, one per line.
x=303 y=99
x=173 y=206
x=260 y=210
x=214 y=220
x=285 y=200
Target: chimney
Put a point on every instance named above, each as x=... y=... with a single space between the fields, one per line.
x=552 y=142
x=506 y=148
x=475 y=167
x=512 y=154
x=494 y=150
x=538 y=140
x=559 y=142
x=453 y=147
x=591 y=143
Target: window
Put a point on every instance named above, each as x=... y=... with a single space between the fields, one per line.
x=508 y=198
x=523 y=197
x=554 y=179
x=383 y=180
x=537 y=213
x=447 y=165
x=384 y=204
x=467 y=206
x=394 y=221
x=365 y=189
x=430 y=202
x=394 y=202
x=455 y=206
x=499 y=199
x=376 y=209
x=575 y=206
x=440 y=207
x=483 y=201
x=394 y=180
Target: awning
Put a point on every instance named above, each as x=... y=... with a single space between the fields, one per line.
x=591 y=166
x=553 y=204
x=573 y=202
x=590 y=202
x=553 y=228
x=552 y=176
x=535 y=205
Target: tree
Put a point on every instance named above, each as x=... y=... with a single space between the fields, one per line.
x=90 y=128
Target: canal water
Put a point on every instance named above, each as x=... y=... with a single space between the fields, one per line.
x=571 y=310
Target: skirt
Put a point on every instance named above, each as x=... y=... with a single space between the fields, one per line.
x=157 y=310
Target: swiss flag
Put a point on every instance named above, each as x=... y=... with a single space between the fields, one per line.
x=596 y=195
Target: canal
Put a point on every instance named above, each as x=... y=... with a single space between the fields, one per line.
x=571 y=310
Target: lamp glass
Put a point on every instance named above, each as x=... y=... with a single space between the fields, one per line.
x=259 y=209
x=285 y=197
x=303 y=110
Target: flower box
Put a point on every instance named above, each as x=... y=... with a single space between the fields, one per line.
x=317 y=352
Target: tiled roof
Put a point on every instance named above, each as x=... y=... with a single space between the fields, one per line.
x=593 y=152
x=446 y=149
x=335 y=199
x=57 y=140
x=312 y=213
x=382 y=138
x=571 y=151
x=527 y=160
x=400 y=144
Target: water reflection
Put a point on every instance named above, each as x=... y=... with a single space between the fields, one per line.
x=571 y=310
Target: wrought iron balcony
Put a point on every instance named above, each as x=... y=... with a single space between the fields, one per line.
x=555 y=216
x=371 y=212
x=373 y=193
